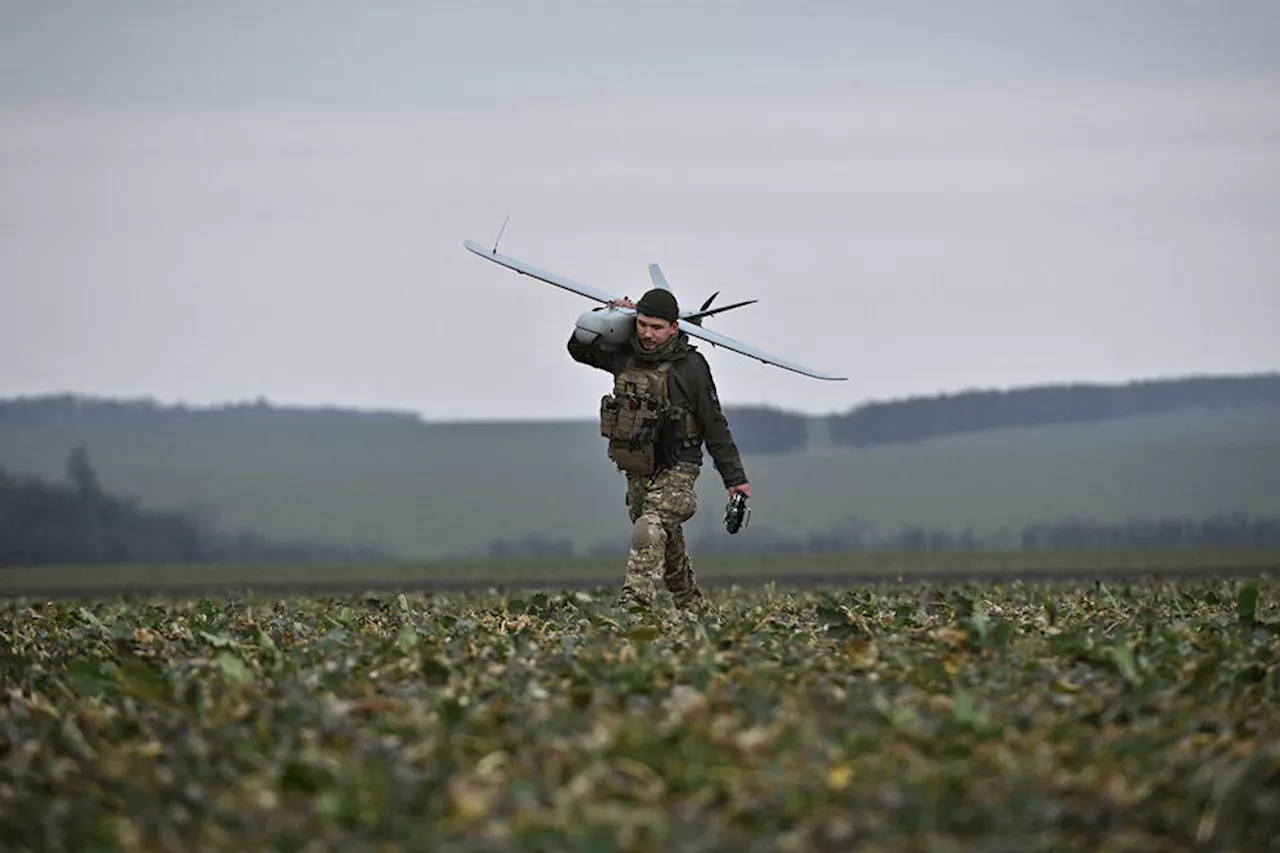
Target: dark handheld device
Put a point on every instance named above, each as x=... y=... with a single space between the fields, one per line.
x=736 y=513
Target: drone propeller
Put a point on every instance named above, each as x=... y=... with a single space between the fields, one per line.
x=696 y=318
x=660 y=281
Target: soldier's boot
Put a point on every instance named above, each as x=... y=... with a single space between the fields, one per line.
x=681 y=582
x=633 y=599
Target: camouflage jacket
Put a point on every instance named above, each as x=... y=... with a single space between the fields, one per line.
x=691 y=376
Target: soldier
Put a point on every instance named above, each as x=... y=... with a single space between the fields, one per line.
x=663 y=407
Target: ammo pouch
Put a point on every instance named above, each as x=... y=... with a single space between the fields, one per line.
x=608 y=415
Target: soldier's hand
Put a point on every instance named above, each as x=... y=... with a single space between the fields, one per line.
x=745 y=488
x=624 y=302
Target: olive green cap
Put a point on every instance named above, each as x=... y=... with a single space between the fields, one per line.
x=659 y=303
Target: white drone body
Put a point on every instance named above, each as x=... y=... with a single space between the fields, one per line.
x=616 y=324
x=612 y=326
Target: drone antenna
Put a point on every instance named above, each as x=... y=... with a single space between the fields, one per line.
x=499 y=237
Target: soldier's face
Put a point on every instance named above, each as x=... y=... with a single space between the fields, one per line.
x=653 y=331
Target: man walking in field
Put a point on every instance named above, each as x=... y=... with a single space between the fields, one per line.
x=663 y=407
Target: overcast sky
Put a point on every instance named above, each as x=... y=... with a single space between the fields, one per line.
x=215 y=202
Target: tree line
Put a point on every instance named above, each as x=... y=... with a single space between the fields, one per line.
x=854 y=535
x=1227 y=529
x=764 y=429
x=53 y=409
x=971 y=411
x=44 y=523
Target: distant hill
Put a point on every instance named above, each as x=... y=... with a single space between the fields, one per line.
x=757 y=429
x=81 y=522
x=974 y=411
x=1190 y=448
x=53 y=409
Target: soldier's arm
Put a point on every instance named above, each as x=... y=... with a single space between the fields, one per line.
x=591 y=353
x=716 y=432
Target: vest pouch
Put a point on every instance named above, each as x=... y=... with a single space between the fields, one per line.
x=633 y=414
x=684 y=427
x=632 y=447
x=633 y=460
x=608 y=416
x=692 y=435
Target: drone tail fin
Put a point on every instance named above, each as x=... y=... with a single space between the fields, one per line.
x=659 y=280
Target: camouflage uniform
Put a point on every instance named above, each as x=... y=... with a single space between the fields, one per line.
x=659 y=504
x=658 y=508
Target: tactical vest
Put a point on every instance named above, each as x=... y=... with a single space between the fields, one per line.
x=645 y=431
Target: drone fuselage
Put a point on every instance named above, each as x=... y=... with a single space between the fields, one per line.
x=613 y=326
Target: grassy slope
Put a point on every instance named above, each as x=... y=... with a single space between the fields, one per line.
x=429 y=491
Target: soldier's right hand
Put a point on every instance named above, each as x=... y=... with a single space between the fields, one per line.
x=624 y=302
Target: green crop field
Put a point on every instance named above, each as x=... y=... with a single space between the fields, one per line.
x=436 y=490
x=1030 y=716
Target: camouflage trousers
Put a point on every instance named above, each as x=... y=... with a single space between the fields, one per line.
x=658 y=509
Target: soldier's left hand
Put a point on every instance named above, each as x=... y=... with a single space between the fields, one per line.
x=745 y=488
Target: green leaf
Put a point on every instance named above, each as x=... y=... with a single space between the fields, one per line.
x=1122 y=655
x=144 y=681
x=234 y=669
x=1003 y=633
x=965 y=711
x=961 y=605
x=219 y=641
x=329 y=805
x=980 y=624
x=90 y=677
x=1247 y=606
x=644 y=633
x=302 y=777
x=406 y=638
x=93 y=621
x=434 y=670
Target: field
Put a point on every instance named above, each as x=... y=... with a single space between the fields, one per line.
x=580 y=572
x=436 y=490
x=1019 y=715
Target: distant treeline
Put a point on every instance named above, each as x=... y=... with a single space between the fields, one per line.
x=767 y=430
x=52 y=409
x=764 y=429
x=972 y=411
x=855 y=535
x=43 y=523
x=1065 y=534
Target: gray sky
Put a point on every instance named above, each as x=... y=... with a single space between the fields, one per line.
x=215 y=202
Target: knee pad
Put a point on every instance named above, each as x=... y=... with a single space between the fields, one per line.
x=644 y=532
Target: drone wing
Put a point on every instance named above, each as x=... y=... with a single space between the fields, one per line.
x=717 y=339
x=549 y=277
x=659 y=280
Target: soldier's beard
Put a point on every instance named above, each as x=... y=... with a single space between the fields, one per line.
x=658 y=351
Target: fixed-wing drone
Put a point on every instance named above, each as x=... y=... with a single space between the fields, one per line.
x=614 y=324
